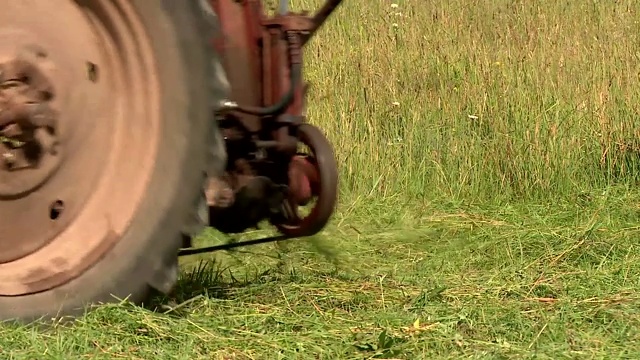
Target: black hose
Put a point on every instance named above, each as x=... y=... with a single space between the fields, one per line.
x=296 y=75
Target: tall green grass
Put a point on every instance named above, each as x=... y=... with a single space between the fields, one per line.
x=497 y=102
x=479 y=100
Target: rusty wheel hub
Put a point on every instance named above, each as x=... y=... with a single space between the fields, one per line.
x=29 y=151
x=70 y=83
x=312 y=176
x=303 y=180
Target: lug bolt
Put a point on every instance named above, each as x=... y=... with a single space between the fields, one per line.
x=9 y=160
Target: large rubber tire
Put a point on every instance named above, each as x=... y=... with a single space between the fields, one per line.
x=145 y=257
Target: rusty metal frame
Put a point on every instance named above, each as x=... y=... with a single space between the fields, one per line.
x=263 y=123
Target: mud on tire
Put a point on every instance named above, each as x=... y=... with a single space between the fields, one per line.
x=141 y=254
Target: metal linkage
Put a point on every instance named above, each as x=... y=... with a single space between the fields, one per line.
x=233 y=245
x=264 y=126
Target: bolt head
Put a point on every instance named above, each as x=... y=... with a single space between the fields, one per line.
x=9 y=160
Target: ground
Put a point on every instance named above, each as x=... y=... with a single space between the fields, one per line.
x=489 y=203
x=536 y=282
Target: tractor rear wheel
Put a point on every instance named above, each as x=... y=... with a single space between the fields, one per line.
x=106 y=132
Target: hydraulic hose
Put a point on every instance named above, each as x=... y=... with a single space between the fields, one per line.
x=293 y=42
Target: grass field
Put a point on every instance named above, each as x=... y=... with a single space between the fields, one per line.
x=489 y=207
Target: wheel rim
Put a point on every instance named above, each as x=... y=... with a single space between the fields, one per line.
x=323 y=181
x=89 y=69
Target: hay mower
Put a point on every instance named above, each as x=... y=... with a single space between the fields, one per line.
x=128 y=126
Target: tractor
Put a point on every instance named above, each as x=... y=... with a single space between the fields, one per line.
x=129 y=126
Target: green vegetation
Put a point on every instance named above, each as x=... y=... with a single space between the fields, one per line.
x=488 y=209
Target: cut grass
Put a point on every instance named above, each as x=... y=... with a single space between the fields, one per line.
x=488 y=203
x=529 y=282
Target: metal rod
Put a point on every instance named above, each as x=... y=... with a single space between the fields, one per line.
x=229 y=246
x=284 y=7
x=321 y=17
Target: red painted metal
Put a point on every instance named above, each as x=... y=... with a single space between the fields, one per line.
x=263 y=60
